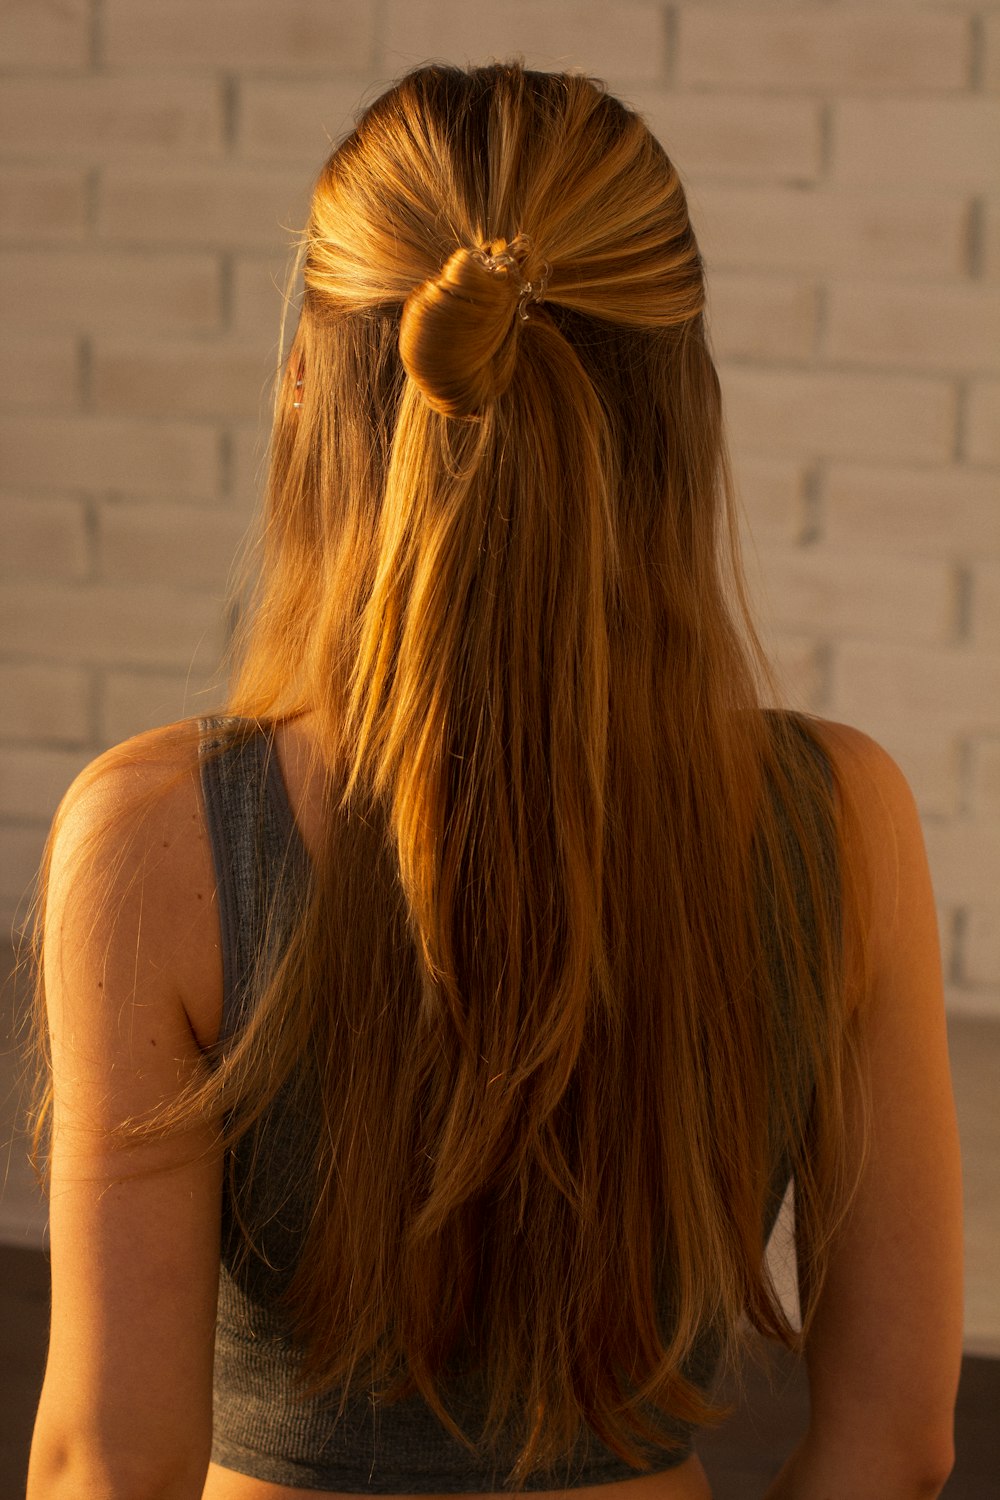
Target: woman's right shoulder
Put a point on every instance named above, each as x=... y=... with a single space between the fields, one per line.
x=878 y=809
x=858 y=760
x=891 y=914
x=884 y=1349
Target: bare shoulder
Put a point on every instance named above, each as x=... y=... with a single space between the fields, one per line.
x=862 y=765
x=885 y=1347
x=879 y=814
x=120 y=777
x=131 y=864
x=879 y=821
x=131 y=969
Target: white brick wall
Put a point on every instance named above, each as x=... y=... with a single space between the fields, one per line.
x=843 y=167
x=983 y=430
x=313 y=36
x=42 y=201
x=45 y=35
x=840 y=48
x=946 y=144
x=627 y=39
x=107 y=116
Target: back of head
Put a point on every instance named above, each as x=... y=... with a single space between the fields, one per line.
x=495 y=571
x=466 y=197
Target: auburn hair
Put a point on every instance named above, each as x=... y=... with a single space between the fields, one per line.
x=554 y=1057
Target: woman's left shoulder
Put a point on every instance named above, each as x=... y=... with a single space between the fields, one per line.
x=130 y=861
x=123 y=774
x=131 y=968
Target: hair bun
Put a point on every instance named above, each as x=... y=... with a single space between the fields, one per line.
x=457 y=333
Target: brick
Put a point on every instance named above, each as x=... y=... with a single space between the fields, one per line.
x=45 y=33
x=189 y=547
x=983 y=422
x=99 y=116
x=131 y=702
x=948 y=918
x=334 y=36
x=915 y=327
x=991 y=52
x=976 y=1011
x=986 y=606
x=933 y=513
x=795 y=660
x=762 y=317
x=259 y=284
x=112 y=625
x=964 y=858
x=933 y=691
x=194 y=378
x=32 y=781
x=44 y=703
x=899 y=236
x=623 y=41
x=44 y=539
x=771 y=495
x=278 y=120
x=41 y=371
x=249 y=466
x=990 y=252
x=109 y=289
x=203 y=206
x=848 y=49
x=20 y=855
x=179 y=459
x=985 y=777
x=981 y=946
x=849 y=593
x=950 y=143
x=978 y=1004
x=826 y=414
x=933 y=767
x=42 y=202
x=921 y=704
x=734 y=136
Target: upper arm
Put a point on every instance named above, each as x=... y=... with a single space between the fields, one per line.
x=884 y=1351
x=129 y=925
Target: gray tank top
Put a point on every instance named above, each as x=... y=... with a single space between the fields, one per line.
x=261 y=1425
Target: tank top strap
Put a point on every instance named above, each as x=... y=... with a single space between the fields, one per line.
x=257 y=851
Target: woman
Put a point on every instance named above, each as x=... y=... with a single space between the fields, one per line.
x=474 y=988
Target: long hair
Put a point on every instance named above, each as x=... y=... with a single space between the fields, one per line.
x=567 y=978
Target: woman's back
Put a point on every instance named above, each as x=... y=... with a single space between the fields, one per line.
x=587 y=942
x=888 y=1288
x=264 y=811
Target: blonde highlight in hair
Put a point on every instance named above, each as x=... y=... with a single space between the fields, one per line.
x=534 y=980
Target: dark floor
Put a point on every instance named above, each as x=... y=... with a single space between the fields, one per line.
x=741 y=1458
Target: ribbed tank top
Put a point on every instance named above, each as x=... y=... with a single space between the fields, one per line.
x=261 y=1425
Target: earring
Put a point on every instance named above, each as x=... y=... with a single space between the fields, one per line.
x=298 y=386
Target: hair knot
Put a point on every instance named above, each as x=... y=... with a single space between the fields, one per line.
x=458 y=330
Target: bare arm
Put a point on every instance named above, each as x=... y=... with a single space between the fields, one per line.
x=126 y=1404
x=884 y=1352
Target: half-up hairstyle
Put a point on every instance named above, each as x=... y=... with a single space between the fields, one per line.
x=584 y=990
